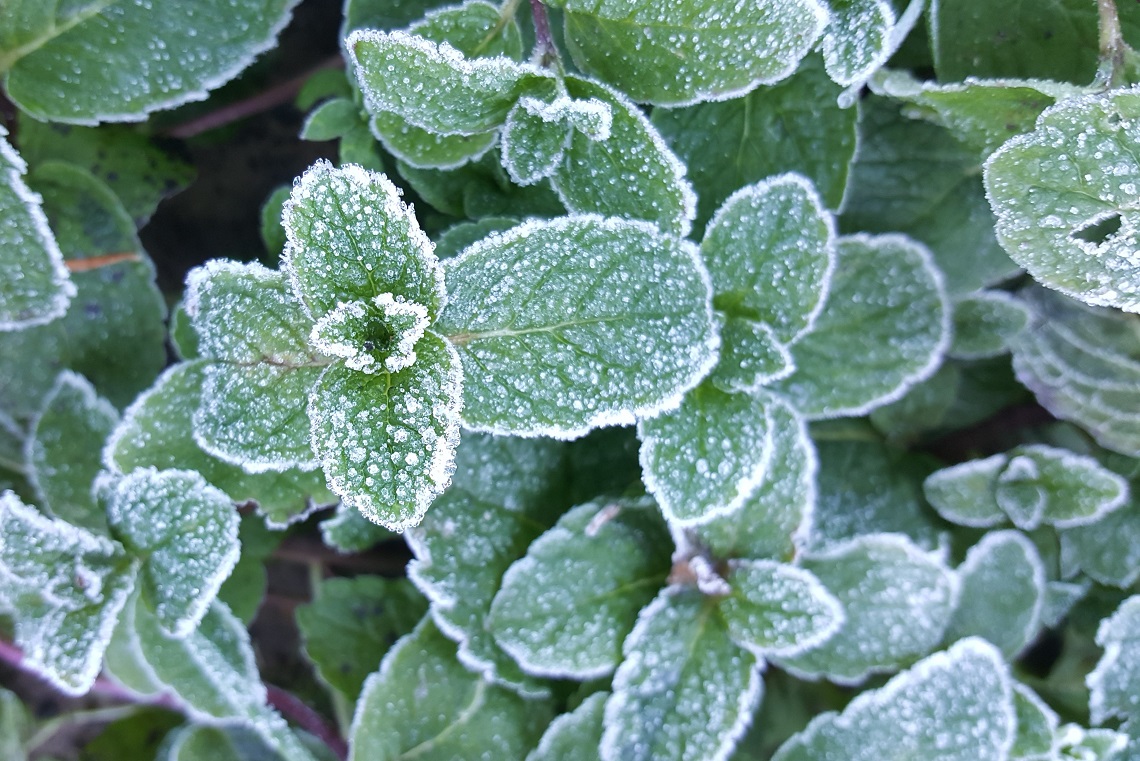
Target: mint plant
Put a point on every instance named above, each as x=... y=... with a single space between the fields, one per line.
x=708 y=381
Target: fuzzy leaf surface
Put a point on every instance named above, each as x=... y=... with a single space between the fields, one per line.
x=985 y=323
x=348 y=531
x=964 y=493
x=1044 y=484
x=1113 y=683
x=574 y=736
x=857 y=39
x=1037 y=725
x=751 y=357
x=577 y=323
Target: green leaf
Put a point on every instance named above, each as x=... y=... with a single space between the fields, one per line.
x=64 y=588
x=332 y=119
x=351 y=222
x=770 y=250
x=925 y=407
x=985 y=323
x=662 y=706
x=915 y=178
x=751 y=357
x=197 y=742
x=481 y=189
x=564 y=609
x=244 y=590
x=577 y=323
x=964 y=493
x=16 y=726
x=574 y=736
x=710 y=50
x=506 y=492
x=348 y=531
x=897 y=599
x=857 y=39
x=954 y=706
x=351 y=624
x=626 y=170
x=776 y=519
x=384 y=14
x=424 y=704
x=157 y=432
x=253 y=399
x=1043 y=484
x=707 y=457
x=1081 y=364
x=386 y=441
x=183 y=336
x=1113 y=683
x=1074 y=741
x=186 y=534
x=535 y=137
x=794 y=126
x=778 y=610
x=1003 y=593
x=36 y=286
x=435 y=87
x=1036 y=725
x=63 y=451
x=126 y=52
x=1109 y=550
x=1064 y=196
x=136 y=168
x=456 y=238
x=883 y=329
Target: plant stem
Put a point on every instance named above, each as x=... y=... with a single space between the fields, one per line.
x=96 y=262
x=545 y=51
x=77 y=718
x=1113 y=49
x=292 y=708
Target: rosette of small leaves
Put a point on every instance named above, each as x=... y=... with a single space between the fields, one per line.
x=330 y=361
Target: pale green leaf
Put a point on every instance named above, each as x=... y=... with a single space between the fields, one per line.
x=1081 y=363
x=794 y=126
x=157 y=432
x=623 y=169
x=707 y=457
x=198 y=742
x=186 y=534
x=351 y=222
x=985 y=323
x=481 y=189
x=16 y=726
x=1061 y=596
x=964 y=493
x=456 y=238
x=857 y=39
x=1003 y=593
x=1064 y=197
x=135 y=56
x=426 y=150
x=423 y=704
x=926 y=406
x=574 y=736
x=244 y=591
x=897 y=600
x=1108 y=551
x=36 y=286
x=883 y=329
x=676 y=56
x=1037 y=725
x=1076 y=742
x=751 y=357
x=351 y=623
x=662 y=707
x=536 y=134
x=63 y=451
x=954 y=706
x=348 y=531
x=577 y=323
x=1043 y=484
x=435 y=87
x=332 y=119
x=564 y=609
x=1115 y=682
x=776 y=519
x=374 y=337
x=64 y=588
x=386 y=441
x=778 y=610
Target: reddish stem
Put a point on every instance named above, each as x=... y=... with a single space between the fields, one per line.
x=548 y=51
x=95 y=262
x=291 y=707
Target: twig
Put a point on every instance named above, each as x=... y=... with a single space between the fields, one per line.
x=545 y=50
x=1113 y=49
x=96 y=262
x=263 y=101
x=292 y=708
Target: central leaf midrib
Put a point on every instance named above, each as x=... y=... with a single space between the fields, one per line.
x=478 y=698
x=9 y=59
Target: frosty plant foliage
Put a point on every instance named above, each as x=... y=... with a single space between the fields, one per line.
x=745 y=381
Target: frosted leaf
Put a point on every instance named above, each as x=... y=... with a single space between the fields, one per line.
x=36 y=287
x=1043 y=484
x=16 y=726
x=857 y=39
x=714 y=50
x=705 y=458
x=1060 y=597
x=883 y=329
x=535 y=138
x=387 y=442
x=574 y=736
x=186 y=533
x=63 y=588
x=452 y=241
x=778 y=610
x=62 y=451
x=776 y=518
x=577 y=323
x=1036 y=726
x=422 y=701
x=564 y=609
x=331 y=120
x=684 y=688
x=12 y=443
x=1113 y=684
x=506 y=492
x=348 y=531
x=955 y=705
x=982 y=113
x=751 y=357
x=1064 y=196
x=157 y=432
x=435 y=87
x=620 y=166
x=1076 y=742
x=898 y=601
x=351 y=623
x=372 y=337
x=930 y=404
x=1003 y=593
x=198 y=742
x=1081 y=364
x=135 y=57
x=985 y=323
x=427 y=150
x=964 y=493
x=351 y=238
x=770 y=250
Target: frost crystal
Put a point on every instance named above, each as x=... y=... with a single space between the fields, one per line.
x=371 y=336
